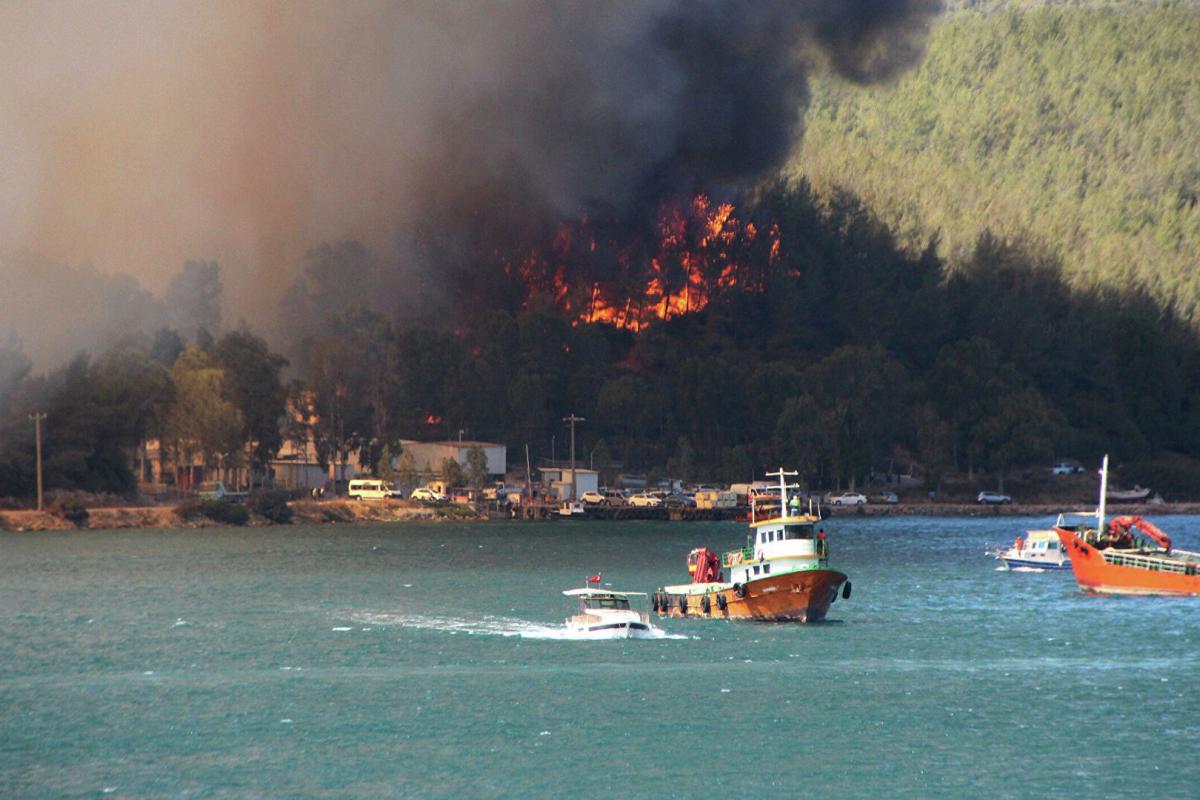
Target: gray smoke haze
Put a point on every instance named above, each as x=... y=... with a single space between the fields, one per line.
x=137 y=135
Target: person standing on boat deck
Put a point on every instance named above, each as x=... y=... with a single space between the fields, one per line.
x=794 y=505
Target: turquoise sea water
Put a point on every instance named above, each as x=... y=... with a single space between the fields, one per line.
x=429 y=661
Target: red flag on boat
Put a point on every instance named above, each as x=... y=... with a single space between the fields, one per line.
x=595 y=578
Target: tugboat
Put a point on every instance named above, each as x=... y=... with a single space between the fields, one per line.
x=1129 y=555
x=781 y=574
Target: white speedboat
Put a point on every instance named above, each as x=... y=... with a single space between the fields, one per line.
x=606 y=614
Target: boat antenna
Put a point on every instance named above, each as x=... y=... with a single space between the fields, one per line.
x=1103 y=496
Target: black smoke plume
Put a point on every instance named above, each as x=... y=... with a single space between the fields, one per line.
x=141 y=135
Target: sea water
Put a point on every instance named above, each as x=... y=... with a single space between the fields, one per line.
x=429 y=660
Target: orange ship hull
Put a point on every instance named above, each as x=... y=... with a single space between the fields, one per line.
x=802 y=596
x=1095 y=573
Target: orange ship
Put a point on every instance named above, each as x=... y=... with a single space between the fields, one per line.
x=782 y=573
x=1128 y=555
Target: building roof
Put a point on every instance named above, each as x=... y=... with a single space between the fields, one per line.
x=453 y=443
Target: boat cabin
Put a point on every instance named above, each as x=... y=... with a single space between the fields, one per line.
x=780 y=545
x=590 y=599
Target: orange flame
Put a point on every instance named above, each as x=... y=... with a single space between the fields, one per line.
x=701 y=248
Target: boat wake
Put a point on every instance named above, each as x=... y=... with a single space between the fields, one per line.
x=487 y=626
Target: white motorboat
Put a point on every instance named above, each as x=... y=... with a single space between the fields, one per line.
x=1037 y=550
x=1042 y=550
x=606 y=614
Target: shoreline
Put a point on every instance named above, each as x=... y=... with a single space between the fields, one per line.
x=304 y=512
x=351 y=512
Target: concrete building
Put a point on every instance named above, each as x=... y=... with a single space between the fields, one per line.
x=428 y=456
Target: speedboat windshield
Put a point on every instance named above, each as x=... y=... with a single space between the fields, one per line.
x=607 y=602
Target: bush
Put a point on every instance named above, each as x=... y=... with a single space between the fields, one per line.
x=273 y=505
x=222 y=511
x=71 y=506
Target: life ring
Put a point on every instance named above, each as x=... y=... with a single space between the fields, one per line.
x=706 y=604
x=739 y=590
x=722 y=603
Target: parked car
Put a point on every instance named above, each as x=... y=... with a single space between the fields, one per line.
x=592 y=498
x=889 y=498
x=848 y=499
x=679 y=500
x=613 y=498
x=425 y=494
x=645 y=500
x=993 y=499
x=1065 y=468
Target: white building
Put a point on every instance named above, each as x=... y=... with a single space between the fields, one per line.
x=559 y=481
x=295 y=466
x=431 y=454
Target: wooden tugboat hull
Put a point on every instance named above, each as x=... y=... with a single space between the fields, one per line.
x=801 y=596
x=1095 y=574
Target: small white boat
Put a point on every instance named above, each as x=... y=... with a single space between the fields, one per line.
x=1134 y=495
x=1040 y=550
x=572 y=510
x=606 y=614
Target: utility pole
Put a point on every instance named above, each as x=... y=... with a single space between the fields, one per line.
x=37 y=438
x=573 y=419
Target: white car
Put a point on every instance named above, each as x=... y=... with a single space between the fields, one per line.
x=592 y=498
x=848 y=499
x=645 y=500
x=993 y=499
x=427 y=495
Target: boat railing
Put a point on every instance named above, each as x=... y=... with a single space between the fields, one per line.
x=1148 y=562
x=734 y=557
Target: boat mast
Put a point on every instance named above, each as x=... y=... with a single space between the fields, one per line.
x=1103 y=496
x=783 y=498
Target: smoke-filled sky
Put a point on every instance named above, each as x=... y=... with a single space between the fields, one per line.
x=137 y=135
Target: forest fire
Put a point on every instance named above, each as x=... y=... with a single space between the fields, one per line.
x=694 y=249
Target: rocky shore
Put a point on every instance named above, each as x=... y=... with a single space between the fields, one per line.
x=307 y=512
x=310 y=512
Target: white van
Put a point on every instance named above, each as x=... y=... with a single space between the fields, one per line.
x=369 y=489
